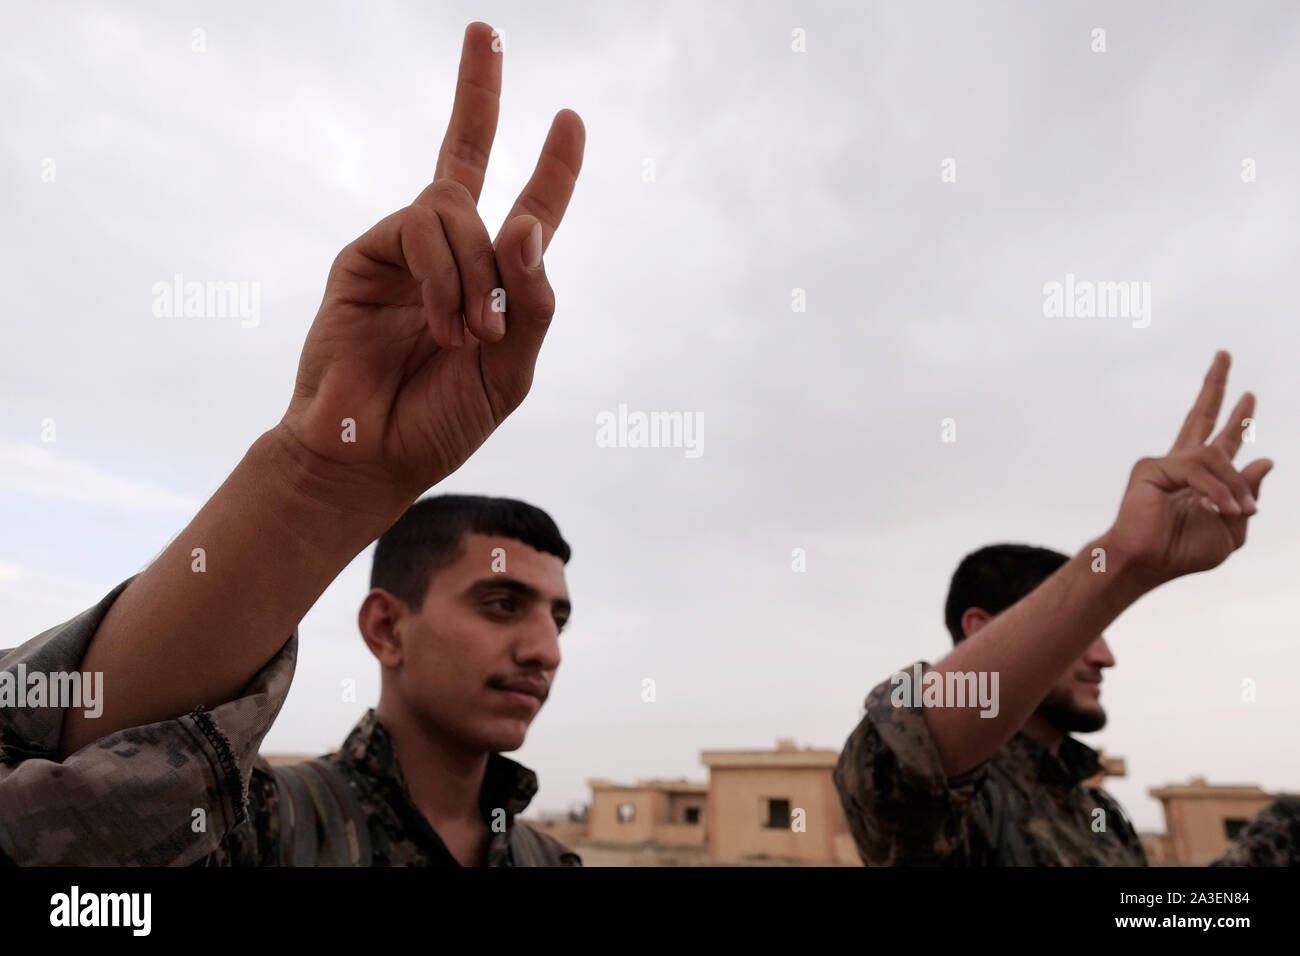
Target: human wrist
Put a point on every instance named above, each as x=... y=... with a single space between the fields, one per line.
x=1121 y=575
x=335 y=509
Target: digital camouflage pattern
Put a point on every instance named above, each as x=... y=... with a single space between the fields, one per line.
x=193 y=790
x=1272 y=838
x=1022 y=807
x=399 y=834
x=161 y=794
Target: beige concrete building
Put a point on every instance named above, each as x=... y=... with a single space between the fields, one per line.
x=667 y=812
x=1110 y=767
x=776 y=804
x=758 y=805
x=1201 y=819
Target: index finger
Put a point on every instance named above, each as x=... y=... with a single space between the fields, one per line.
x=473 y=126
x=1200 y=420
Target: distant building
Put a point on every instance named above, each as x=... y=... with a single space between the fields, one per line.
x=758 y=804
x=1110 y=767
x=778 y=804
x=667 y=812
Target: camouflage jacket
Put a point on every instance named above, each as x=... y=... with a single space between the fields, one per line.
x=193 y=790
x=397 y=832
x=1023 y=807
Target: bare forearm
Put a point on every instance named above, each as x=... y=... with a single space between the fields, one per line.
x=195 y=626
x=1029 y=646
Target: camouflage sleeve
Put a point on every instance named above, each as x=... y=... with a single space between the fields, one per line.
x=902 y=810
x=256 y=841
x=1271 y=839
x=165 y=793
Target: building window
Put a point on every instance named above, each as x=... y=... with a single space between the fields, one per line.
x=626 y=812
x=692 y=814
x=1232 y=827
x=778 y=815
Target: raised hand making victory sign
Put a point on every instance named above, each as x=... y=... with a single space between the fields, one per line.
x=425 y=341
x=1180 y=514
x=429 y=331
x=1186 y=512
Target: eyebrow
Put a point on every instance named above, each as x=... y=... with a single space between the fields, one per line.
x=517 y=587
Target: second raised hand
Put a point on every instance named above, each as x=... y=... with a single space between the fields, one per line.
x=1186 y=512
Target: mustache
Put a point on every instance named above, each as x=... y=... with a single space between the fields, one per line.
x=532 y=683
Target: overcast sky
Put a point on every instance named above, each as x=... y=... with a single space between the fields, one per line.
x=299 y=126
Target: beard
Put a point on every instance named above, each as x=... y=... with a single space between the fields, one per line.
x=1060 y=710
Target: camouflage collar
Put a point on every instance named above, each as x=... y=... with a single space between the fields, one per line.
x=1072 y=764
x=369 y=748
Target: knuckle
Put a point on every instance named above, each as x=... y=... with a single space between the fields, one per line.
x=483 y=261
x=540 y=210
x=337 y=267
x=542 y=315
x=443 y=267
x=450 y=192
x=420 y=218
x=1214 y=455
x=346 y=258
x=467 y=151
x=543 y=303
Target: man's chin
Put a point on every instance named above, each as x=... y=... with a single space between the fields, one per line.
x=1073 y=718
x=505 y=736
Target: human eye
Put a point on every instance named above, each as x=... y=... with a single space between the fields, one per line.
x=501 y=605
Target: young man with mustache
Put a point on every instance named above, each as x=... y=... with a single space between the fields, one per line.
x=464 y=614
x=409 y=366
x=954 y=786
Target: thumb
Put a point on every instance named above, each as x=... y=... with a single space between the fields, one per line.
x=1254 y=474
x=530 y=304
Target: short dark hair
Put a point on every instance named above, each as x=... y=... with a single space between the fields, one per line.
x=996 y=577
x=427 y=538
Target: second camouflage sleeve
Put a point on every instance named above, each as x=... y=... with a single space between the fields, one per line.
x=901 y=808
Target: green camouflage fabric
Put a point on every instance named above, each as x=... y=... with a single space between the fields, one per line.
x=193 y=790
x=1023 y=807
x=399 y=833
x=1272 y=838
x=161 y=794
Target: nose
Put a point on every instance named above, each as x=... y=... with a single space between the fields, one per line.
x=538 y=644
x=1099 y=654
